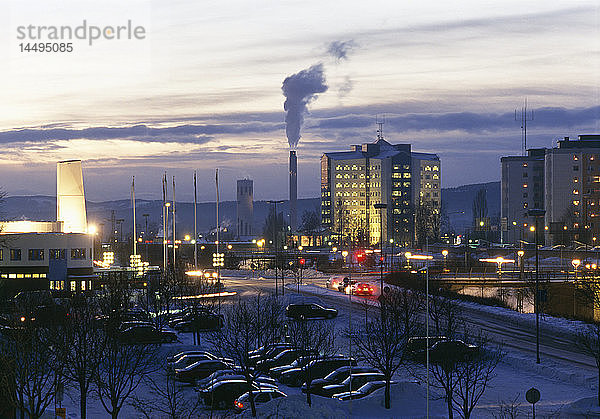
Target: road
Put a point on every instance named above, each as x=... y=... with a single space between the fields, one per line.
x=513 y=337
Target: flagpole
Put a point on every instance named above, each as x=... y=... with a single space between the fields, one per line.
x=174 y=247
x=217 y=243
x=195 y=224
x=133 y=205
x=164 y=220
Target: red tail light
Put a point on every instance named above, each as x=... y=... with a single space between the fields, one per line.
x=239 y=404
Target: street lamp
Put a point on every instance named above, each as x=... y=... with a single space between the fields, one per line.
x=445 y=255
x=275 y=234
x=576 y=263
x=537 y=213
x=392 y=261
x=381 y=206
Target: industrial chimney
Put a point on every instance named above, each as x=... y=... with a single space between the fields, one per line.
x=293 y=191
x=70 y=197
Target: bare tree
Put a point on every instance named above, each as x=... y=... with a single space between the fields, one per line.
x=509 y=409
x=121 y=371
x=446 y=315
x=313 y=338
x=473 y=376
x=427 y=223
x=479 y=206
x=85 y=347
x=383 y=342
x=166 y=399
x=588 y=339
x=311 y=222
x=36 y=359
x=247 y=324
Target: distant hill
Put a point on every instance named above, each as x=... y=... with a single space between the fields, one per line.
x=456 y=201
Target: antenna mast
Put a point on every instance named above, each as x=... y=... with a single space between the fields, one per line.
x=524 y=118
x=380 y=126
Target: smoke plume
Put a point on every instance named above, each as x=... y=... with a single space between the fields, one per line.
x=299 y=90
x=340 y=49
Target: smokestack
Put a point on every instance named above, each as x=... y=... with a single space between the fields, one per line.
x=293 y=191
x=70 y=197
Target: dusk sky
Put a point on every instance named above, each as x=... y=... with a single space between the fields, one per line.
x=204 y=88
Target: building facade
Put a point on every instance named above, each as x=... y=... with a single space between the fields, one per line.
x=564 y=181
x=355 y=185
x=522 y=188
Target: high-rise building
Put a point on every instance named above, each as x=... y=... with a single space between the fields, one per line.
x=355 y=183
x=522 y=189
x=564 y=181
x=245 y=208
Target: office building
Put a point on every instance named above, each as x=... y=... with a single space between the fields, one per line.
x=355 y=185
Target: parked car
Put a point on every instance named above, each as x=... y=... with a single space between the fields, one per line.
x=317 y=368
x=418 y=344
x=128 y=324
x=187 y=360
x=363 y=391
x=267 y=352
x=309 y=311
x=283 y=358
x=452 y=350
x=262 y=381
x=199 y=321
x=201 y=369
x=261 y=397
x=276 y=372
x=353 y=381
x=147 y=334
x=178 y=355
x=224 y=393
x=336 y=377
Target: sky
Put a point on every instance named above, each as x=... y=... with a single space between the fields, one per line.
x=203 y=88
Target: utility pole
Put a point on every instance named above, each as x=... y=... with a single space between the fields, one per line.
x=146 y=234
x=381 y=206
x=537 y=213
x=275 y=231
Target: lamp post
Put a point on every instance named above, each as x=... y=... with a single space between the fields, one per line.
x=392 y=260
x=445 y=255
x=575 y=263
x=275 y=231
x=520 y=253
x=381 y=206
x=537 y=213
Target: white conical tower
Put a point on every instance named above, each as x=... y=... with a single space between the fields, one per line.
x=70 y=197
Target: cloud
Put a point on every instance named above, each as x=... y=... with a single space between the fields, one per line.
x=340 y=49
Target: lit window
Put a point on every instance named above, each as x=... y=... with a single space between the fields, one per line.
x=73 y=286
x=524 y=185
x=575 y=202
x=575 y=180
x=575 y=157
x=575 y=192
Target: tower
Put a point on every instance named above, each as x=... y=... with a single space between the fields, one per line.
x=70 y=197
x=245 y=207
x=293 y=191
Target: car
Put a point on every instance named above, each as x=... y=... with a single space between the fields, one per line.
x=139 y=334
x=334 y=281
x=272 y=352
x=260 y=397
x=261 y=381
x=174 y=358
x=187 y=360
x=198 y=322
x=276 y=372
x=309 y=311
x=452 y=351
x=128 y=324
x=201 y=369
x=362 y=288
x=351 y=382
x=336 y=377
x=317 y=368
x=363 y=391
x=224 y=393
x=418 y=344
x=263 y=350
x=283 y=358
x=346 y=285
